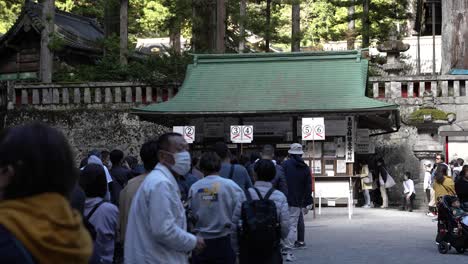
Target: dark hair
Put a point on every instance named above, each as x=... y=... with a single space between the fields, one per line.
x=84 y=162
x=268 y=150
x=244 y=160
x=41 y=159
x=105 y=154
x=442 y=156
x=132 y=161
x=265 y=170
x=95 y=152
x=454 y=163
x=464 y=171
x=460 y=161
x=222 y=150
x=440 y=173
x=210 y=163
x=149 y=154
x=164 y=140
x=254 y=156
x=116 y=157
x=93 y=180
x=408 y=174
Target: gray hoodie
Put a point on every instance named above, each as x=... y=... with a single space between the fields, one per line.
x=282 y=210
x=213 y=200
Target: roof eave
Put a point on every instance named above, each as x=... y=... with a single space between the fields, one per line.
x=250 y=113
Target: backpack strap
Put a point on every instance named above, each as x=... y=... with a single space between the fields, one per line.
x=94 y=210
x=231 y=172
x=258 y=193
x=248 y=196
x=269 y=193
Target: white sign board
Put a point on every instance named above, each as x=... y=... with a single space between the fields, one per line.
x=362 y=141
x=350 y=139
x=187 y=131
x=241 y=134
x=313 y=128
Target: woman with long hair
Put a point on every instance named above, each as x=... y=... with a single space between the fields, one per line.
x=443 y=184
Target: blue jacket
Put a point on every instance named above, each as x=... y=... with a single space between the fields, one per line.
x=12 y=250
x=299 y=182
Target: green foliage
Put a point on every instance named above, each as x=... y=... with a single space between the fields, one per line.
x=418 y=115
x=167 y=67
x=9 y=11
x=56 y=43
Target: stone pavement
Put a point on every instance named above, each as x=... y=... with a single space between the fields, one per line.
x=372 y=236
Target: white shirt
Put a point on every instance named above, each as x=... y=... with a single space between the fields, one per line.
x=156 y=228
x=408 y=185
x=427 y=180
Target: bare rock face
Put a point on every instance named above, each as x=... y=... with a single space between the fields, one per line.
x=455 y=35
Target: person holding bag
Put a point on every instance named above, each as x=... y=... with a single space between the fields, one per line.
x=366 y=183
x=385 y=181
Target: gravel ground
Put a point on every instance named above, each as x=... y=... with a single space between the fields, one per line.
x=372 y=236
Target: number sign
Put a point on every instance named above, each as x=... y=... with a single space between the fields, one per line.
x=241 y=134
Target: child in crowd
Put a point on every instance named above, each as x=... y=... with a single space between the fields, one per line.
x=457 y=211
x=409 y=193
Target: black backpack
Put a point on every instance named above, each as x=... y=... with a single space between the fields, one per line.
x=260 y=231
x=87 y=223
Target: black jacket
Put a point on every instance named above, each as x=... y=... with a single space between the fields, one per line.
x=120 y=176
x=461 y=187
x=299 y=181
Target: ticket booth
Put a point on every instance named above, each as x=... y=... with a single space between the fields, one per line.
x=273 y=92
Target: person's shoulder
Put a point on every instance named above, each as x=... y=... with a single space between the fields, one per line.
x=238 y=167
x=279 y=196
x=110 y=207
x=135 y=181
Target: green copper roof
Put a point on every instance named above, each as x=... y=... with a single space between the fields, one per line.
x=272 y=83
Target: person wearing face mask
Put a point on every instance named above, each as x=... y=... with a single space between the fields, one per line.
x=156 y=227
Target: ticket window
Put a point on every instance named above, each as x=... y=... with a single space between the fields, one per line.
x=327 y=158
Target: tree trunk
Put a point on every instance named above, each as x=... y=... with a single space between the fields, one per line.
x=174 y=37
x=220 y=26
x=111 y=18
x=242 y=11
x=365 y=24
x=296 y=26
x=47 y=56
x=455 y=35
x=351 y=27
x=123 y=31
x=268 y=26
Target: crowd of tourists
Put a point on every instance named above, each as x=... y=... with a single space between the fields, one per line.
x=440 y=179
x=170 y=208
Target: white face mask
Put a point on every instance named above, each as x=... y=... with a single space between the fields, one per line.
x=183 y=162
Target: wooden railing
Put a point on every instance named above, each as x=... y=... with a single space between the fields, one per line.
x=448 y=88
x=79 y=94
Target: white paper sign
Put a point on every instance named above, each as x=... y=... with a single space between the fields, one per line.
x=362 y=141
x=350 y=138
x=241 y=134
x=313 y=128
x=187 y=131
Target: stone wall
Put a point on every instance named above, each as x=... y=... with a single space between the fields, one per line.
x=93 y=129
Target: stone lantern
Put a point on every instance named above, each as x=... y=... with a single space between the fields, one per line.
x=393 y=47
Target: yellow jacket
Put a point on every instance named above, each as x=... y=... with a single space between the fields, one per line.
x=48 y=228
x=446 y=188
